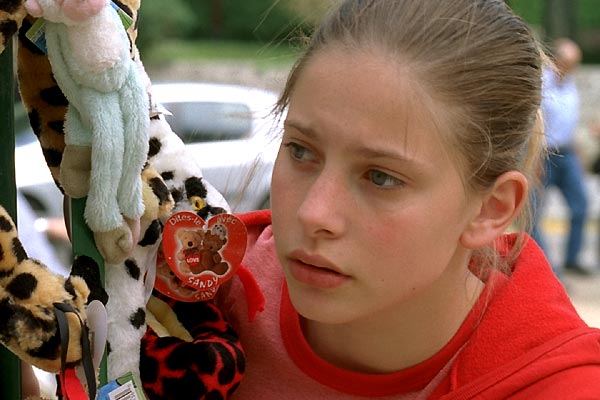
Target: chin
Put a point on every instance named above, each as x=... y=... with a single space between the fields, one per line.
x=317 y=305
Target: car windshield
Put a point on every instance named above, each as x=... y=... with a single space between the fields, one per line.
x=209 y=121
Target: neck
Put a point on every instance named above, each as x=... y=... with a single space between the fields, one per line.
x=391 y=340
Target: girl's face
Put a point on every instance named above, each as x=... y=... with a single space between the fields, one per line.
x=367 y=207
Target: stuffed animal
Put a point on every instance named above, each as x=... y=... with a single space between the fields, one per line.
x=106 y=125
x=29 y=295
x=171 y=177
x=127 y=282
x=189 y=254
x=12 y=14
x=209 y=366
x=210 y=258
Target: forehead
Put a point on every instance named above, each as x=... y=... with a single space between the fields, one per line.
x=372 y=94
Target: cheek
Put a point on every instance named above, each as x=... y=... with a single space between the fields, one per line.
x=284 y=188
x=414 y=238
x=279 y=184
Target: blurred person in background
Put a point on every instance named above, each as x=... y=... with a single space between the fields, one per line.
x=563 y=168
x=595 y=166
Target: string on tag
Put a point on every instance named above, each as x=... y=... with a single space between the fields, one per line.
x=71 y=386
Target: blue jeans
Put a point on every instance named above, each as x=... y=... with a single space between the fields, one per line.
x=564 y=171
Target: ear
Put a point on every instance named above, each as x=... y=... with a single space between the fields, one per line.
x=499 y=207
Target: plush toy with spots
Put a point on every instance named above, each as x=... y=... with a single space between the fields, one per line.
x=106 y=124
x=29 y=295
x=12 y=14
x=171 y=182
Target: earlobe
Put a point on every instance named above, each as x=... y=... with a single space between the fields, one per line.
x=498 y=209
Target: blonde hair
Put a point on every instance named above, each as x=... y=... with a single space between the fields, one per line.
x=476 y=58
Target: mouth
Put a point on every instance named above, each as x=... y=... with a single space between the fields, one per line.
x=314 y=270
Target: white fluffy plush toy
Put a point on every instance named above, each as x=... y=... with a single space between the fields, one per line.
x=106 y=125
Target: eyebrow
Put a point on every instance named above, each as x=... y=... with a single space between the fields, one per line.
x=367 y=152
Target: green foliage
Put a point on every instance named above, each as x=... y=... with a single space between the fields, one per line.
x=257 y=20
x=268 y=25
x=579 y=19
x=157 y=22
x=588 y=14
x=531 y=11
x=278 y=23
x=219 y=50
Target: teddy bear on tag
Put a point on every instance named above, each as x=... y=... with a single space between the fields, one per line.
x=210 y=257
x=189 y=254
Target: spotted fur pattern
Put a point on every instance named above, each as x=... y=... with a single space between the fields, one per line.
x=12 y=13
x=28 y=292
x=46 y=106
x=172 y=182
x=210 y=367
x=177 y=180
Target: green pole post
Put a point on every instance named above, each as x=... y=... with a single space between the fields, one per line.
x=10 y=378
x=82 y=240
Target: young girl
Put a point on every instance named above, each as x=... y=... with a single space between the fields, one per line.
x=410 y=142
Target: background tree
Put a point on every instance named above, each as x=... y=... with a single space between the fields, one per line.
x=560 y=19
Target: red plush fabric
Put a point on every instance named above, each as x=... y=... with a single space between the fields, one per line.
x=210 y=367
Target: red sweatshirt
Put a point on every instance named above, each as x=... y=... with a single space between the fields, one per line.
x=530 y=342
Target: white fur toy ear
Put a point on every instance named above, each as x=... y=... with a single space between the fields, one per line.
x=80 y=10
x=33 y=8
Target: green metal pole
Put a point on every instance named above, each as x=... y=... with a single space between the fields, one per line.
x=82 y=240
x=10 y=376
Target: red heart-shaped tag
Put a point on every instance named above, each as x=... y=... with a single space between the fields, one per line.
x=198 y=257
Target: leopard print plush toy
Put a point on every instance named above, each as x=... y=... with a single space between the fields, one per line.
x=28 y=293
x=172 y=182
x=12 y=14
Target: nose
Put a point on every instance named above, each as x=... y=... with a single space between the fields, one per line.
x=322 y=212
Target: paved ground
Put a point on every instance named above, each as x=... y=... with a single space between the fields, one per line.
x=585 y=294
x=584 y=291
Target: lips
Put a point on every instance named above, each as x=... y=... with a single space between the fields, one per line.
x=314 y=270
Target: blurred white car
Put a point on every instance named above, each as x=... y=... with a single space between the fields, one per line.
x=229 y=129
x=32 y=175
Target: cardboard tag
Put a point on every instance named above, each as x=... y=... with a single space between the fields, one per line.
x=126 y=387
x=126 y=20
x=37 y=35
x=200 y=256
x=169 y=284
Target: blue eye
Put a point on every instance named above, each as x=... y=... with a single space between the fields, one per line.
x=298 y=152
x=382 y=179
